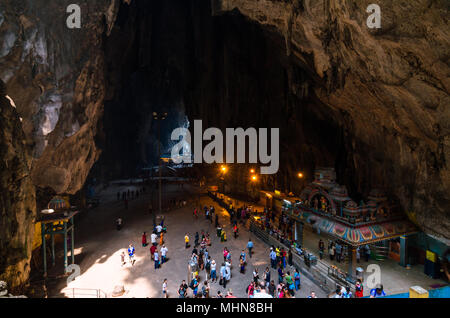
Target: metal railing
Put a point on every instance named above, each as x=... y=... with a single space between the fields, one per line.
x=87 y=293
x=325 y=276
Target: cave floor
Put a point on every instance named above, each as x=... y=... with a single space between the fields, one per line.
x=98 y=246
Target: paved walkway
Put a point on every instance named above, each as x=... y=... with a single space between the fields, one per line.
x=99 y=245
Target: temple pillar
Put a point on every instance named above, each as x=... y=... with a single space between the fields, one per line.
x=403 y=250
x=65 y=246
x=53 y=245
x=72 y=247
x=351 y=263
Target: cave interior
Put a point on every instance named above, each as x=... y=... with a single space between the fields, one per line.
x=229 y=72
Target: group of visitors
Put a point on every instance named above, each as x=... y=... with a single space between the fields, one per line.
x=279 y=257
x=339 y=251
x=128 y=195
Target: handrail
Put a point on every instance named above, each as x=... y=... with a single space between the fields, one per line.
x=98 y=293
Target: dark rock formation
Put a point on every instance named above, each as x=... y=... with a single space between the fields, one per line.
x=17 y=197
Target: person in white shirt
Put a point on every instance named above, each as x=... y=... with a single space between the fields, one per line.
x=158 y=229
x=228 y=264
x=119 y=223
x=164 y=251
x=153 y=238
x=156 y=258
x=213 y=271
x=164 y=289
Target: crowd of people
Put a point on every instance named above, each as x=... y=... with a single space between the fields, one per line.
x=159 y=257
x=285 y=284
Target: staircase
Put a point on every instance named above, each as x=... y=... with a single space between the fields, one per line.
x=379 y=252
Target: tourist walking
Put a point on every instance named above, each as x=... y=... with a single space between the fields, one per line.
x=122 y=258
x=164 y=289
x=223 y=236
x=205 y=289
x=131 y=251
x=272 y=288
x=194 y=286
x=182 y=291
x=280 y=274
x=241 y=266
x=290 y=283
x=227 y=275
x=156 y=259
x=164 y=251
x=119 y=223
x=255 y=276
x=273 y=258
x=297 y=279
x=152 y=251
x=266 y=277
x=213 y=271
x=144 y=239
x=186 y=240
x=153 y=238
x=250 y=247
x=321 y=248
x=196 y=239
x=207 y=265
x=359 y=289
x=223 y=274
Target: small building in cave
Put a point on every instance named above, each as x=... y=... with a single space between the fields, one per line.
x=326 y=206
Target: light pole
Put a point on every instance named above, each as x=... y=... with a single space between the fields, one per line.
x=159 y=117
x=223 y=171
x=253 y=181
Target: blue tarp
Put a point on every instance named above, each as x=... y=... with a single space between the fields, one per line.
x=443 y=292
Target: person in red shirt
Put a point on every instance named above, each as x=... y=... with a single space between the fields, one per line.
x=358 y=289
x=230 y=294
x=152 y=250
x=144 y=239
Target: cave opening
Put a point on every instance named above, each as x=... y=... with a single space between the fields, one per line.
x=181 y=58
